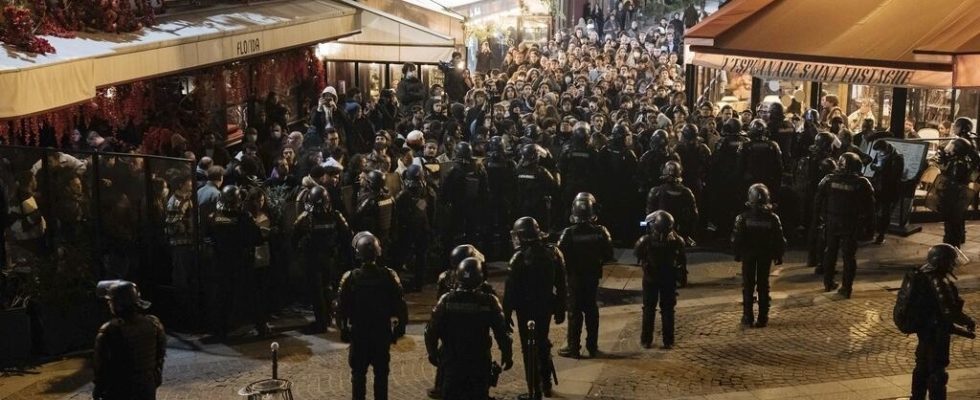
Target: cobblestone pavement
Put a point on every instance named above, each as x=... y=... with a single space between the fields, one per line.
x=815 y=343
x=804 y=344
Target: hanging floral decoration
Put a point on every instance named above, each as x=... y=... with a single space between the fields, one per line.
x=24 y=20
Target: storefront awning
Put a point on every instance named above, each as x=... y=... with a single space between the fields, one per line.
x=959 y=45
x=856 y=42
x=386 y=37
x=36 y=83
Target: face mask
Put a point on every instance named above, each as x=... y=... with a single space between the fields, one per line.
x=379 y=146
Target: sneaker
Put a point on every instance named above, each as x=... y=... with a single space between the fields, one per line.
x=746 y=320
x=829 y=287
x=762 y=322
x=880 y=238
x=667 y=346
x=569 y=352
x=434 y=393
x=646 y=345
x=844 y=292
x=546 y=388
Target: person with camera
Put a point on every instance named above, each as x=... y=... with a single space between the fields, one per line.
x=454 y=83
x=411 y=92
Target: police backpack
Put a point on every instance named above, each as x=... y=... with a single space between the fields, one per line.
x=904 y=314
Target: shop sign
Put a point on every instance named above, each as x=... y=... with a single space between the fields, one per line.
x=818 y=72
x=769 y=68
x=245 y=46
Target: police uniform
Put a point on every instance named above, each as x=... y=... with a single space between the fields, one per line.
x=757 y=239
x=318 y=238
x=128 y=358
x=659 y=258
x=845 y=201
x=587 y=246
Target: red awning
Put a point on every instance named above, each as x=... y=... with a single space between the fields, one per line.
x=858 y=42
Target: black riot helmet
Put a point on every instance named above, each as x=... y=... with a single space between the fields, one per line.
x=732 y=127
x=463 y=152
x=585 y=196
x=469 y=272
x=659 y=140
x=375 y=180
x=963 y=126
x=827 y=166
x=231 y=200
x=495 y=147
x=580 y=137
x=619 y=130
x=944 y=257
x=757 y=128
x=414 y=178
x=811 y=116
x=532 y=132
x=530 y=155
x=367 y=247
x=823 y=143
x=958 y=147
x=463 y=252
x=672 y=171
x=582 y=211
x=689 y=133
x=659 y=223
x=526 y=230
x=123 y=296
x=317 y=201
x=758 y=196
x=849 y=163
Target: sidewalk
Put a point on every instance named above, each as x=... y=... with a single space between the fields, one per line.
x=818 y=346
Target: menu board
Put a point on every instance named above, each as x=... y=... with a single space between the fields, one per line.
x=914 y=153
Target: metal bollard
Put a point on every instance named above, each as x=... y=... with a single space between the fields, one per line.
x=269 y=389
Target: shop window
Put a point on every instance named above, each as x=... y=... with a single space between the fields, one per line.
x=370 y=76
x=967 y=104
x=395 y=74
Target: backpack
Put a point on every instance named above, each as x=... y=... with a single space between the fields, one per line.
x=904 y=314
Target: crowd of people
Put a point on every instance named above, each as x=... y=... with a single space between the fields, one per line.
x=424 y=185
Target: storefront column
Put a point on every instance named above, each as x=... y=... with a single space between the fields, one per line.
x=900 y=97
x=756 y=97
x=690 y=84
x=815 y=89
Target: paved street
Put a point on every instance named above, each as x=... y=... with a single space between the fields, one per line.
x=818 y=346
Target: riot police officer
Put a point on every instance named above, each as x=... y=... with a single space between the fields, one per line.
x=672 y=196
x=587 y=246
x=659 y=253
x=938 y=311
x=652 y=162
x=760 y=160
x=414 y=212
x=535 y=186
x=321 y=231
x=810 y=170
x=371 y=314
x=464 y=190
x=758 y=241
x=457 y=336
x=502 y=184
x=129 y=349
x=845 y=200
x=535 y=290
x=888 y=167
x=577 y=164
x=723 y=177
x=617 y=161
x=694 y=155
x=958 y=169
x=375 y=207
x=235 y=236
x=781 y=131
x=449 y=281
x=817 y=233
